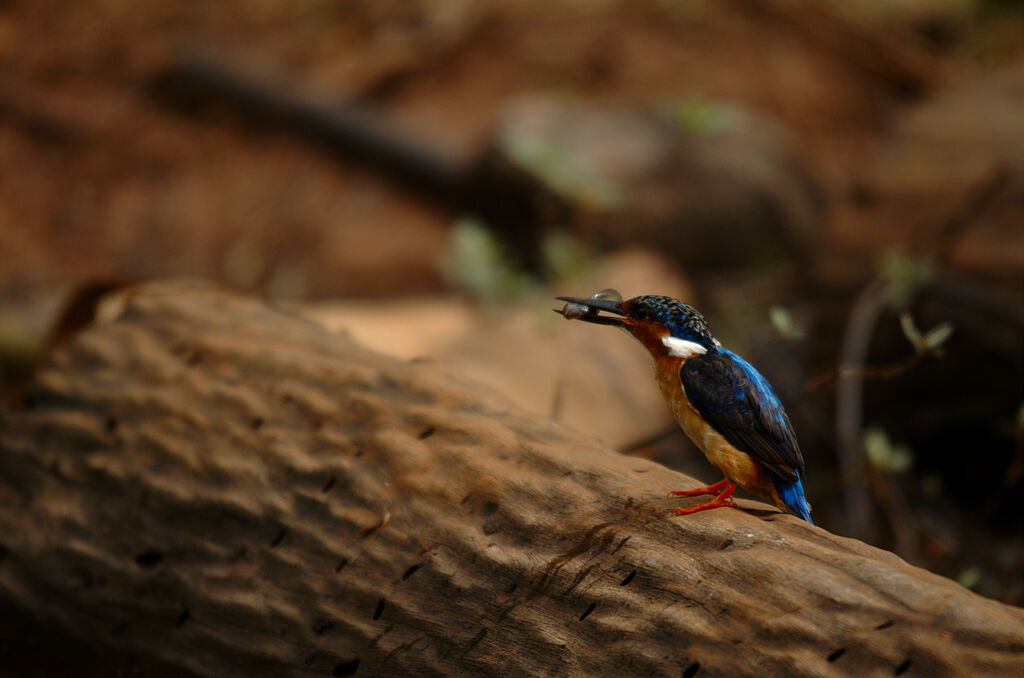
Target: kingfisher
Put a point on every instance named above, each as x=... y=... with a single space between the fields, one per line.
x=722 y=403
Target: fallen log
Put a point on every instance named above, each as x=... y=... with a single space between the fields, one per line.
x=204 y=486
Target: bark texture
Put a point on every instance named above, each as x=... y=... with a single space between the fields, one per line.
x=204 y=486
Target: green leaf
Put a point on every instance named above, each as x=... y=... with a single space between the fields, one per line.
x=910 y=330
x=784 y=324
x=906 y=276
x=884 y=455
x=937 y=336
x=475 y=262
x=565 y=255
x=701 y=117
x=562 y=170
x=970 y=577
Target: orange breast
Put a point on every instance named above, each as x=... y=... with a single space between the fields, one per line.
x=738 y=466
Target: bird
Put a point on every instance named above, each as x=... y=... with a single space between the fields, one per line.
x=723 y=404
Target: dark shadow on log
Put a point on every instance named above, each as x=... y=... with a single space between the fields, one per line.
x=385 y=519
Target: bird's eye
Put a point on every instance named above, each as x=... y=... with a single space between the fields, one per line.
x=607 y=294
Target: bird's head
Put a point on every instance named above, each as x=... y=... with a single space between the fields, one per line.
x=666 y=326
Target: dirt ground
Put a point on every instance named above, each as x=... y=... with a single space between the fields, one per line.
x=906 y=114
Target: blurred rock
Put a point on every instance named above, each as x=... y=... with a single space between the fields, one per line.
x=707 y=183
x=590 y=378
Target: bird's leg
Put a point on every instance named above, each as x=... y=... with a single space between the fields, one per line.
x=723 y=498
x=710 y=489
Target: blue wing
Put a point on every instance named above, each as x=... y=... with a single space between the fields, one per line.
x=740 y=404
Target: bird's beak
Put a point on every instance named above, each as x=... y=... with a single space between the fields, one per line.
x=588 y=310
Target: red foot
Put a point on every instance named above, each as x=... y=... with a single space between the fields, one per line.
x=710 y=489
x=724 y=490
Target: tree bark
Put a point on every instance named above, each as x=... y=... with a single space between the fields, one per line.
x=204 y=486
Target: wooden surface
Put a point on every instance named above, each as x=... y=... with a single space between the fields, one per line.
x=204 y=486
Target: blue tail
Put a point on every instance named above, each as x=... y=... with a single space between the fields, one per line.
x=793 y=494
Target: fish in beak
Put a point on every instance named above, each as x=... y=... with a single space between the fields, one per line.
x=588 y=310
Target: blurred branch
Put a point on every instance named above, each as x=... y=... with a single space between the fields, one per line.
x=887 y=462
x=350 y=132
x=930 y=343
x=851 y=374
x=850 y=406
x=78 y=313
x=899 y=284
x=901 y=520
x=974 y=205
x=516 y=204
x=41 y=127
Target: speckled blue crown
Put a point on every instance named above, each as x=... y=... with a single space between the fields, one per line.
x=682 y=320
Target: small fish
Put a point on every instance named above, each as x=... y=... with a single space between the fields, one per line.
x=579 y=310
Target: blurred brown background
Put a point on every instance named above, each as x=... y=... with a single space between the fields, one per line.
x=426 y=175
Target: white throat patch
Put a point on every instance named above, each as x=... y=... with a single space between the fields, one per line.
x=681 y=348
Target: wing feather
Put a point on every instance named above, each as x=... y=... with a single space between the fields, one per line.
x=740 y=404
